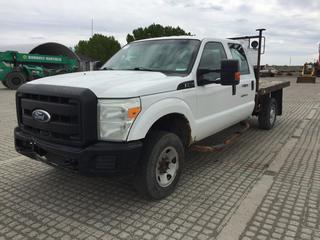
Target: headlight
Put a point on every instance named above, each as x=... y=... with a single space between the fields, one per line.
x=115 y=117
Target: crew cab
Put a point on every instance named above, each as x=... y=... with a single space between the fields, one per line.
x=137 y=115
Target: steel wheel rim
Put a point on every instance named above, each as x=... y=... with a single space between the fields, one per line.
x=167 y=166
x=272 y=113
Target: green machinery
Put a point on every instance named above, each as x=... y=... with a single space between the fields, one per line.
x=17 y=68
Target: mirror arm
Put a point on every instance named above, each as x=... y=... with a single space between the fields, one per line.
x=217 y=81
x=203 y=82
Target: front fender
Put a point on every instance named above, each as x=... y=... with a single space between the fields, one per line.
x=147 y=117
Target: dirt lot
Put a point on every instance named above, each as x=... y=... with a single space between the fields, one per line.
x=266 y=185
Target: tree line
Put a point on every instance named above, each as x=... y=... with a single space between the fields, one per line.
x=100 y=47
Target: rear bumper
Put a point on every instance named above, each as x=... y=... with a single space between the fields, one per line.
x=101 y=158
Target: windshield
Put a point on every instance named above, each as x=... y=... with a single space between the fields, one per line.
x=168 y=56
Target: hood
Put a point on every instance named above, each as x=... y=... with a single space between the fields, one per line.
x=116 y=84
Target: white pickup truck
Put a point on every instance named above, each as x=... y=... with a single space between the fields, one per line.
x=150 y=101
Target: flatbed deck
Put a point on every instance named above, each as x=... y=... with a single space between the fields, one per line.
x=270 y=85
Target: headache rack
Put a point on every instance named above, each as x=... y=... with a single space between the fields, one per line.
x=265 y=88
x=256 y=42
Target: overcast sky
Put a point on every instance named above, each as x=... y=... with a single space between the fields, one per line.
x=293 y=28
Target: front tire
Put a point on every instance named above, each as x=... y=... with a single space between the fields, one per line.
x=160 y=167
x=268 y=113
x=15 y=80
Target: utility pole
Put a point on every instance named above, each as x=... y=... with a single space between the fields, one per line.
x=319 y=54
x=91 y=26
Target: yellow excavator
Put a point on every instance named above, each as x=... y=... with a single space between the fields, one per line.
x=308 y=73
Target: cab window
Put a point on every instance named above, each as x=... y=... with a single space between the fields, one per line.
x=212 y=55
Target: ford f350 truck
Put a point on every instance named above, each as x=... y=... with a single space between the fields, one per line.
x=150 y=101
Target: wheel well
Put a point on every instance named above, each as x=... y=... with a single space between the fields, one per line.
x=277 y=95
x=175 y=123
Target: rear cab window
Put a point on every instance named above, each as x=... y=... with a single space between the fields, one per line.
x=238 y=53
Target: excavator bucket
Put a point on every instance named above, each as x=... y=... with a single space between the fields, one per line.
x=306 y=79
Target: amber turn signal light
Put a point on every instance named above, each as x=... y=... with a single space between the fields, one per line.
x=237 y=76
x=133 y=112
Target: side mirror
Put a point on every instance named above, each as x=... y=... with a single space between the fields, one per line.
x=230 y=72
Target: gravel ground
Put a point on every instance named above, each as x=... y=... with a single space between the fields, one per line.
x=41 y=202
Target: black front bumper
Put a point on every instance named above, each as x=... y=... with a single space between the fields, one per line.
x=102 y=158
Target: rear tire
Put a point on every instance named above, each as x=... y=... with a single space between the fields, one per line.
x=268 y=113
x=15 y=80
x=160 y=167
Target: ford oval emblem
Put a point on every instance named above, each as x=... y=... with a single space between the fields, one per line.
x=41 y=115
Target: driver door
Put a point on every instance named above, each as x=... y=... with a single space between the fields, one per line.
x=214 y=101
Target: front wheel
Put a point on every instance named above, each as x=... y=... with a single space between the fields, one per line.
x=160 y=167
x=15 y=80
x=268 y=113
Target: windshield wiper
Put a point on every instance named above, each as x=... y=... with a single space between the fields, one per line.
x=144 y=69
x=133 y=69
x=107 y=68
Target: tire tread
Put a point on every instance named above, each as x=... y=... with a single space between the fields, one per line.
x=142 y=175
